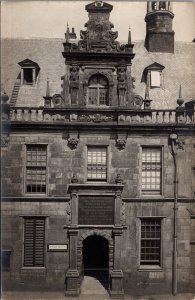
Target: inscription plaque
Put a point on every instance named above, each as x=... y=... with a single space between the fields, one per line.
x=96 y=210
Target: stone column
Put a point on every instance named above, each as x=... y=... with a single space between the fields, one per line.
x=116 y=289
x=72 y=275
x=74 y=208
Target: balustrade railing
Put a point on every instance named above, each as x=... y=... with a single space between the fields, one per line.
x=24 y=114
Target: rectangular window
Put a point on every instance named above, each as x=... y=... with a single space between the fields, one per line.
x=150 y=242
x=151 y=170
x=97 y=164
x=28 y=76
x=36 y=163
x=155 y=79
x=34 y=242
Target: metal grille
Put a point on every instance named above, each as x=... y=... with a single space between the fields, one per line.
x=36 y=160
x=34 y=242
x=97 y=164
x=151 y=170
x=150 y=242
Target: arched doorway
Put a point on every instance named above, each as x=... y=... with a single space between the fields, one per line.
x=96 y=258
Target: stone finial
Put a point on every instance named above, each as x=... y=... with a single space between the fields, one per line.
x=67 y=34
x=5 y=107
x=118 y=179
x=147 y=101
x=129 y=36
x=47 y=89
x=4 y=97
x=47 y=97
x=180 y=100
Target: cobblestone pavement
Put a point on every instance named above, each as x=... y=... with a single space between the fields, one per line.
x=60 y=296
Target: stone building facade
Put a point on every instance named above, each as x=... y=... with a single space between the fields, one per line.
x=98 y=164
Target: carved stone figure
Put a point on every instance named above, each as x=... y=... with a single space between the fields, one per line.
x=122 y=85
x=74 y=83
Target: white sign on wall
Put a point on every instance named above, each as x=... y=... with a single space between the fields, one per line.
x=57 y=247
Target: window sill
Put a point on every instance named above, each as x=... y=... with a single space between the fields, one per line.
x=150 y=269
x=34 y=268
x=35 y=195
x=152 y=196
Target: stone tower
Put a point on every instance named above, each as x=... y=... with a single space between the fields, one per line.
x=159 y=33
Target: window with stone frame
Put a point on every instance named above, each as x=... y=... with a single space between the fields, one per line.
x=34 y=241
x=97 y=164
x=36 y=168
x=150 y=246
x=29 y=72
x=98 y=91
x=151 y=170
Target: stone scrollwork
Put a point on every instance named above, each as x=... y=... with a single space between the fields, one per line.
x=123 y=219
x=137 y=102
x=73 y=142
x=4 y=140
x=57 y=100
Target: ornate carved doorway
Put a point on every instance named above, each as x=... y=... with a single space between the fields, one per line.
x=96 y=259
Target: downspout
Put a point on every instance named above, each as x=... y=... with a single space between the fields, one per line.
x=175 y=208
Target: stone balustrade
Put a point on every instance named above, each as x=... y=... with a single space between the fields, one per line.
x=113 y=115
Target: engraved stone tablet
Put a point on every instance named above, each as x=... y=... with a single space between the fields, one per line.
x=96 y=210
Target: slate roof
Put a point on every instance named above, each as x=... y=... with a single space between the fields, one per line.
x=47 y=53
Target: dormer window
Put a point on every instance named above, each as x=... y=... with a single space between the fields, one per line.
x=155 y=79
x=153 y=75
x=29 y=72
x=98 y=90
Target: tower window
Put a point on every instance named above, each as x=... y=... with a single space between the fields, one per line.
x=98 y=90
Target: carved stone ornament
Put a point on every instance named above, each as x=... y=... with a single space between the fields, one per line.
x=73 y=142
x=96 y=118
x=118 y=179
x=180 y=144
x=74 y=83
x=74 y=178
x=137 y=102
x=121 y=143
x=57 y=100
x=123 y=219
x=4 y=140
x=122 y=85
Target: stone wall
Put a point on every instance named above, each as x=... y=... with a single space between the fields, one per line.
x=62 y=163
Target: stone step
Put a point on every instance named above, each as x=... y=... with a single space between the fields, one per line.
x=92 y=286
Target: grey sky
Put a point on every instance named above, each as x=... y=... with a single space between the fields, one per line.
x=33 y=19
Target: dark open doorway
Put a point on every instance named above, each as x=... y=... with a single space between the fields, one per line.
x=96 y=258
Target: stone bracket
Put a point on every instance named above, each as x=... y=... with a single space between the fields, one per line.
x=121 y=140
x=73 y=139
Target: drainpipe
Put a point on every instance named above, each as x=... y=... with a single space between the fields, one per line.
x=174 y=141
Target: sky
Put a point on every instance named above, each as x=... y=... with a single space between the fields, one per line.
x=34 y=19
